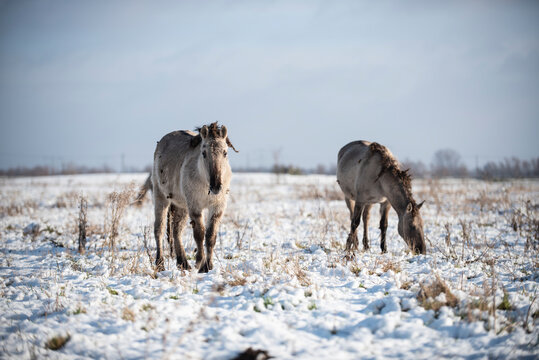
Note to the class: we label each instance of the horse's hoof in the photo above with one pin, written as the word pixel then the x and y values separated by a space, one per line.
pixel 205 267
pixel 349 256
pixel 350 248
pixel 159 266
pixel 183 265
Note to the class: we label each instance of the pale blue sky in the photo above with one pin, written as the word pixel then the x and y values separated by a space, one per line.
pixel 87 81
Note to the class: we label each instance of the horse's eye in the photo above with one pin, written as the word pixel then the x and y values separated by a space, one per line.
pixel 224 153
pixel 204 154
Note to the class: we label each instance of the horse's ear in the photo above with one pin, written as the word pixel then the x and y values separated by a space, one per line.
pixel 224 131
pixel 409 207
pixel 420 204
pixel 204 132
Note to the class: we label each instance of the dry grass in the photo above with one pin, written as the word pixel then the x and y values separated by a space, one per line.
pixel 300 274
pixel 83 223
pixel 316 192
pixel 384 264
pixel 236 279
pixel 432 191
pixel 240 226
pixel 524 220
pixel 117 201
pixel 128 314
pixel 57 342
pixel 391 264
pixel 406 285
pixel 485 201
pixel 355 269
pixel 429 295
pixel 16 207
pixel 69 199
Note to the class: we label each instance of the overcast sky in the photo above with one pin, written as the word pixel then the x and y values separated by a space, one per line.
pixel 87 81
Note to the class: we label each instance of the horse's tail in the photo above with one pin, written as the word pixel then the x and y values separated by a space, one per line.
pixel 143 190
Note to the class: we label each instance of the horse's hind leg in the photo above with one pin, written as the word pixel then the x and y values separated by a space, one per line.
pixel 384 211
pixel 179 221
pixel 366 215
pixel 160 209
pixel 170 228
pixel 211 235
pixel 352 242
pixel 350 204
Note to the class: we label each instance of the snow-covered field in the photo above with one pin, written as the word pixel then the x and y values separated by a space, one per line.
pixel 280 281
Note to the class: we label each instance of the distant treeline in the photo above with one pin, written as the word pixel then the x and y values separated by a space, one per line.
pixel 448 163
pixel 69 169
pixel 445 163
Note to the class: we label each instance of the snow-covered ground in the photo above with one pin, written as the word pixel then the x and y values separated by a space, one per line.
pixel 280 281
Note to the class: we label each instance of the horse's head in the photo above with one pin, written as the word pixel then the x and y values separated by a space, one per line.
pixel 411 228
pixel 213 149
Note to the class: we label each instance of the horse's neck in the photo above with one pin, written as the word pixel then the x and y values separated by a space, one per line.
pixel 398 198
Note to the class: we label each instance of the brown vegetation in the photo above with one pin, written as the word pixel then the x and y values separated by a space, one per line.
pixel 429 295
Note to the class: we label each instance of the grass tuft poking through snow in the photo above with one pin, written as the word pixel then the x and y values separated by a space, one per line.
pixel 57 342
pixel 436 294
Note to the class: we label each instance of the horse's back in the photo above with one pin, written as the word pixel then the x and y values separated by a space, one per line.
pixel 353 149
pixel 170 153
pixel 348 164
pixel 173 147
pixel 174 141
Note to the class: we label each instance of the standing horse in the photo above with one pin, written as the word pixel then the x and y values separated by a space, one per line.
pixel 190 173
pixel 368 174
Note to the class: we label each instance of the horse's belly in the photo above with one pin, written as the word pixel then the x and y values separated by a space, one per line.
pixel 376 199
pixel 369 197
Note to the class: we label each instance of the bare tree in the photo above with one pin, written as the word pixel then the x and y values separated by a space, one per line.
pixel 447 162
pixel 417 168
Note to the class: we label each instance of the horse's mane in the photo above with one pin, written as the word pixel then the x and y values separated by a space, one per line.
pixel 214 131
pixel 391 165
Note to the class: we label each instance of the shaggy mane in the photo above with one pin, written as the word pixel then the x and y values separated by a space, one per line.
pixel 391 165
pixel 214 131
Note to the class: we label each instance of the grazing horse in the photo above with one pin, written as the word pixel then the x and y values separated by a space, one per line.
pixel 190 173
pixel 368 174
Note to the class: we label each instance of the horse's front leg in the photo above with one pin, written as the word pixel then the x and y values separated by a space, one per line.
pixel 211 236
pixel 198 233
pixel 366 215
pixel 352 242
pixel 179 221
pixel 384 211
